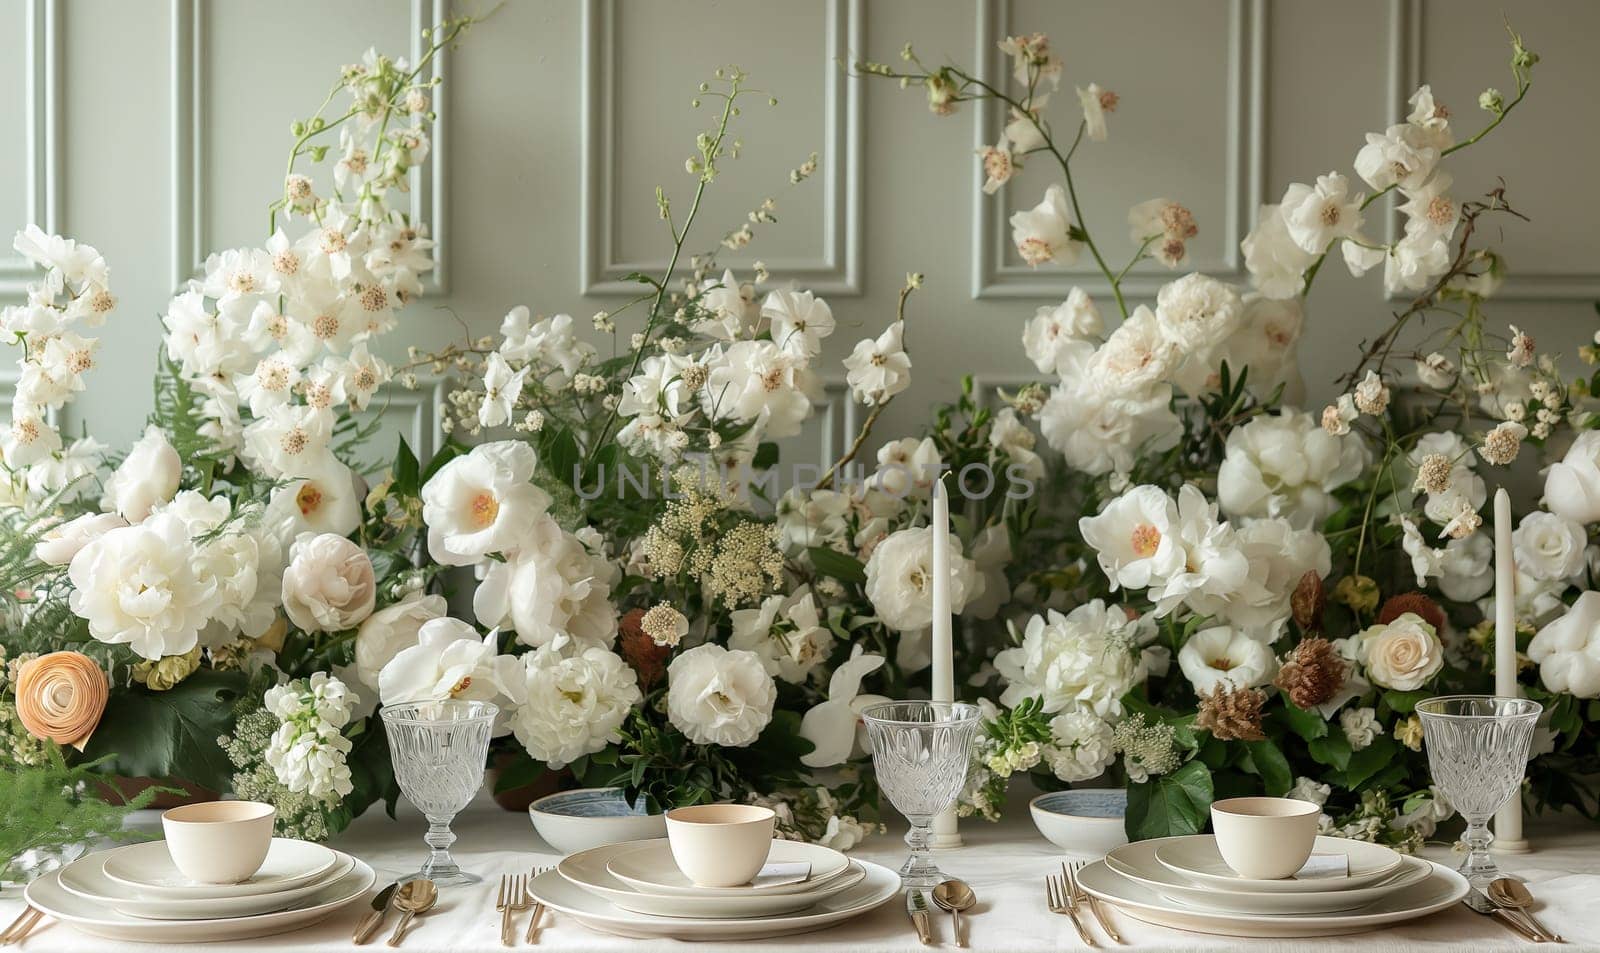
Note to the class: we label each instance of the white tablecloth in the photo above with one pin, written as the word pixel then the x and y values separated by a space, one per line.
pixel 1005 864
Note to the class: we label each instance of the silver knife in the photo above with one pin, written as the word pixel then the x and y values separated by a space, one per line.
pixel 380 908
pixel 1480 904
pixel 917 908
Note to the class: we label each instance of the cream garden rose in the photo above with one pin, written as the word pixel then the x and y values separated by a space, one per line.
pixel 900 579
pixel 718 696
pixel 1403 654
pixel 329 585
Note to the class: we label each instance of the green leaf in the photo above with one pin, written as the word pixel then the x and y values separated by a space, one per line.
pixel 1172 804
pixel 1404 703
pixel 1309 725
pixel 452 448
pixel 838 565
pixel 1333 750
pixel 171 734
pixel 1368 761
pixel 766 456
pixel 559 451
pixel 522 770
pixel 1269 763
pixel 407 471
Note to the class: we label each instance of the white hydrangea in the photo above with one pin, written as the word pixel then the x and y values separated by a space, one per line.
pixel 568 701
pixel 1080 746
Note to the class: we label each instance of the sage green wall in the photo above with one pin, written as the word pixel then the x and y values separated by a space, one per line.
pixel 156 130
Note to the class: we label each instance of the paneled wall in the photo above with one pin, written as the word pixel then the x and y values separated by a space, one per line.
pixel 157 130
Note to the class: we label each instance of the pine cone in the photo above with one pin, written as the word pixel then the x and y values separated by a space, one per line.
pixel 1307 601
pixel 1232 714
pixel 1416 602
pixel 647 659
pixel 1312 673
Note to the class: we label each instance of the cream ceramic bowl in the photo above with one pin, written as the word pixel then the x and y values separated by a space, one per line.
pixel 1085 821
pixel 1265 838
pixel 572 821
pixel 219 842
pixel 720 845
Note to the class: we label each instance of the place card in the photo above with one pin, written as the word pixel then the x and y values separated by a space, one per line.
pixel 1324 866
pixel 776 875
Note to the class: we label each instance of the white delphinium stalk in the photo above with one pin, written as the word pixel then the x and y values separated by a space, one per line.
pixel 308 751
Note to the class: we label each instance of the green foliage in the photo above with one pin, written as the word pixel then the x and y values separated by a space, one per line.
pixel 52 805
pixel 170 734
pixel 1171 804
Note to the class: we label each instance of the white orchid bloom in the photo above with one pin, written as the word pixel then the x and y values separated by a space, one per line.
pixel 831 725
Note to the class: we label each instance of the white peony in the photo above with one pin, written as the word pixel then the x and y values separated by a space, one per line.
pixel 1548 547
pixel 1044 232
pixel 449 660
pixel 900 579
pixel 1225 657
pixel 785 632
pixel 564 704
pixel 243 566
pixel 1197 314
pixel 1100 432
pixel 553 586
pixel 1176 550
pixel 391 630
pixel 1277 265
pixel 1466 568
pixel 1265 342
pixel 1085 660
pixel 1060 334
pixel 328 585
pixel 482 503
pixel 148 476
pixel 1403 654
pixel 61 542
pixel 1286 465
pixel 1572 486
pixel 1278 556
pixel 1080 746
pixel 719 696
pixel 137 586
pixel 1137 356
pixel 1567 650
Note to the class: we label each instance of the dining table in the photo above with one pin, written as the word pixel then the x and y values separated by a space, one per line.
pixel 1004 862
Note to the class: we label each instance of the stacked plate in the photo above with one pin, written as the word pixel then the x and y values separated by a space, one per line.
pixel 1183 882
pixel 635 889
pixel 136 893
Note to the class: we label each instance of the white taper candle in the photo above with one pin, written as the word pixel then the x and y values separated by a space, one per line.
pixel 1508 821
pixel 944 829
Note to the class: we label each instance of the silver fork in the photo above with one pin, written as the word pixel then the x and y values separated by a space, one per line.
pixel 1089 901
pixel 1060 900
pixel 513 897
pixel 532 935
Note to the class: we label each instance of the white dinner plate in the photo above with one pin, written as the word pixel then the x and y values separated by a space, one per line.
pixel 563 896
pixel 95 919
pixel 149 867
pixel 587 869
pixel 648 867
pixel 1138 862
pixel 1441 889
pixel 86 878
pixel 1196 856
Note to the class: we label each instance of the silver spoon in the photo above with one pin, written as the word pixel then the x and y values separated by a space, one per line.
pixel 414 897
pixel 955 896
pixel 1508 892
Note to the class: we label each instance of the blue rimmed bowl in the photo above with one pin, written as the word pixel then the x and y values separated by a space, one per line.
pixel 1082 820
pixel 571 821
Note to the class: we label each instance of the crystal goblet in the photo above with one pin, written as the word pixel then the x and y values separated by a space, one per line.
pixel 439 750
pixel 920 751
pixel 1478 751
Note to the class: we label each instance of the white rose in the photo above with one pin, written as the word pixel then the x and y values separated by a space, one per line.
pixel 482 503
pixel 721 697
pixel 1567 650
pixel 1197 313
pixel 63 541
pixel 566 706
pixel 1572 487
pixel 1222 656
pixel 1286 465
pixel 1085 660
pixel 329 584
pixel 388 632
pixel 137 586
pixel 1403 654
pixel 450 660
pixel 1549 547
pixel 149 475
pixel 900 579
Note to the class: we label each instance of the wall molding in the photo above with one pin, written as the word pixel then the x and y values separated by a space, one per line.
pixel 994 277
pixel 836 271
pixel 41 91
pixel 426 405
pixel 191 242
pixel 1406 66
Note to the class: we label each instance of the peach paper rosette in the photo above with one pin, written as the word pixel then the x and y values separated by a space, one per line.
pixel 61 696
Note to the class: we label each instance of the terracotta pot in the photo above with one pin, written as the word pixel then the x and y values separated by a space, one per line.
pixel 517 799
pixel 119 790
